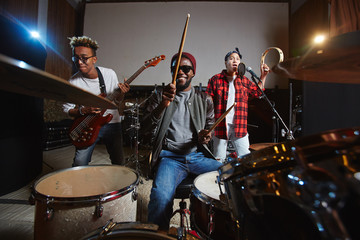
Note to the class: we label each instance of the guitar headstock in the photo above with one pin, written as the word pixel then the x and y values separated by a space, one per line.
pixel 154 61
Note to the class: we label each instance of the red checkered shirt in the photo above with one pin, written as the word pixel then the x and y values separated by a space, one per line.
pixel 218 88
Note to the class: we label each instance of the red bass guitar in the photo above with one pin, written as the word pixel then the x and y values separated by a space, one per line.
pixel 85 129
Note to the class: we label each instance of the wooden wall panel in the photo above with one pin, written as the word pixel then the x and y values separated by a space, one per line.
pixel 310 19
pixel 26 11
pixel 325 106
pixel 62 23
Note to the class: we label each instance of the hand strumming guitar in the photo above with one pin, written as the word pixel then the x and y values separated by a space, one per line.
pixel 85 110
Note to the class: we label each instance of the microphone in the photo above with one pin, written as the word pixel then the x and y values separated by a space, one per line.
pixel 254 76
pixel 252 73
pixel 241 70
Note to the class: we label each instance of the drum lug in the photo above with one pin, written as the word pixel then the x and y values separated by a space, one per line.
pixel 31 199
pixel 211 223
pixel 99 210
pixel 134 195
pixel 32 195
pixel 49 214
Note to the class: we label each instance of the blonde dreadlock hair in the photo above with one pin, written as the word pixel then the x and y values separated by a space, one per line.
pixel 83 41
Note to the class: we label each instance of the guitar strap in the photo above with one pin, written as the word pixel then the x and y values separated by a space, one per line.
pixel 101 82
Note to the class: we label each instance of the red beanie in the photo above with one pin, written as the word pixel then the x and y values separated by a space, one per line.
pixel 184 54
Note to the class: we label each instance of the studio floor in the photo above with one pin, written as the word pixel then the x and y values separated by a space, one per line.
pixel 17 215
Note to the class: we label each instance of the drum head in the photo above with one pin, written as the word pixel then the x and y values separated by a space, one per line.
pixel 207 184
pixel 131 230
pixel 210 216
pixel 86 181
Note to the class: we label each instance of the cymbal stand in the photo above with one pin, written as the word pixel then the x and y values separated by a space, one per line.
pixel 289 134
pixel 134 158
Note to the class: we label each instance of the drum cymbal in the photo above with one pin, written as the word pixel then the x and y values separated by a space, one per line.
pixel 259 146
pixel 20 77
pixel 336 61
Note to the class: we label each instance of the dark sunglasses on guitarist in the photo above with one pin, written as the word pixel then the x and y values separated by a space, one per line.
pixel 186 69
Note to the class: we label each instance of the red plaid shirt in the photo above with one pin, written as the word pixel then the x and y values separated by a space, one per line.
pixel 218 88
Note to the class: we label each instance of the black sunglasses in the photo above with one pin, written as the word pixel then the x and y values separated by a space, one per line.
pixel 183 68
pixel 82 59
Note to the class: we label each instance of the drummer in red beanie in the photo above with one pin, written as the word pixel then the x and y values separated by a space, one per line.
pixel 185 69
pixel 177 118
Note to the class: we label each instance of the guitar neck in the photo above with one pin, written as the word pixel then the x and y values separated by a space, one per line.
pixel 117 91
pixel 137 73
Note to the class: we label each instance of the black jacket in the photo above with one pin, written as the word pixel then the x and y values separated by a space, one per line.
pixel 202 116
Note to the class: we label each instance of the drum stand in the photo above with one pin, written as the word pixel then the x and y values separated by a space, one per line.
pixel 134 158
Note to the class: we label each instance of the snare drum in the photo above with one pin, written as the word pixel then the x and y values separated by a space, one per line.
pixel 302 189
pixel 72 202
pixel 210 217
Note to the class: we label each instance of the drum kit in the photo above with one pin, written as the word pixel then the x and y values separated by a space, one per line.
pixel 307 188
pixel 70 203
pixel 302 189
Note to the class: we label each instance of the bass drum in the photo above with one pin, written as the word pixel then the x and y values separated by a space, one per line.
pixel 72 202
pixel 302 189
pixel 127 231
pixel 210 217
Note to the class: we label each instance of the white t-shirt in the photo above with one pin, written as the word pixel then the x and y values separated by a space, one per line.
pixel 92 85
pixel 230 101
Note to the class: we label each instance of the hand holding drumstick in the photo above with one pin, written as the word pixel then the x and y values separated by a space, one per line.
pixel 168 95
pixel 205 135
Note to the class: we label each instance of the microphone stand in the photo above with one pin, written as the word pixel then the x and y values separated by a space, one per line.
pixel 289 134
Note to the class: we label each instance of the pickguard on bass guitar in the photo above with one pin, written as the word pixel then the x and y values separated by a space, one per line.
pixel 85 129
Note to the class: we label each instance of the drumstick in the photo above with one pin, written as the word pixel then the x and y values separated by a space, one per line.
pixel 180 50
pixel 221 118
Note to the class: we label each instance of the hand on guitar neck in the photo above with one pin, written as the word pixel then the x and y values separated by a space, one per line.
pixel 121 91
pixel 119 100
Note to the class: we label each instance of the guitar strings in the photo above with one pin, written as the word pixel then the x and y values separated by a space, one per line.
pixel 75 133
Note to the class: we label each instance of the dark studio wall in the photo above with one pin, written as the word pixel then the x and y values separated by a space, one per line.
pixel 326 105
pixel 21 136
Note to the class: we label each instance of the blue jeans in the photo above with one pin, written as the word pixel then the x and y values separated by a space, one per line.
pixel 241 146
pixel 172 170
pixel 111 134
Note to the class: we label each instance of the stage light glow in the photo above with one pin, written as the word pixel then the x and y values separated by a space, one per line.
pixel 35 34
pixel 319 39
pixel 22 64
pixel 357 176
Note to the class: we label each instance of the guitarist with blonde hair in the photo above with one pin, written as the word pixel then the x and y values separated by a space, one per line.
pixel 97 80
